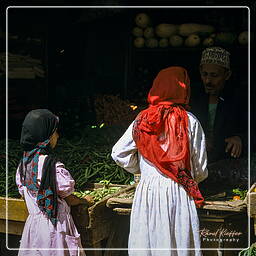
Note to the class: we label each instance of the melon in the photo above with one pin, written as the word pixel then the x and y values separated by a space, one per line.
pixel 192 40
pixel 142 20
pixel 137 31
pixel 243 38
pixel 151 43
pixel 194 28
pixel 165 30
pixel 176 41
pixel 209 41
pixel 163 42
pixel 149 32
pixel 139 42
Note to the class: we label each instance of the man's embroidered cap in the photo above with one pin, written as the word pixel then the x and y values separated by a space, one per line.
pixel 216 55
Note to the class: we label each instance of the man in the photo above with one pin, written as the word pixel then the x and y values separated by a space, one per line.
pixel 220 107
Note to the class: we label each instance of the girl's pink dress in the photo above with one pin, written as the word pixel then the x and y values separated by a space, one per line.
pixel 39 236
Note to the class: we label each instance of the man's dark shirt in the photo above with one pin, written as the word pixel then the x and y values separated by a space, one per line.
pixel 231 118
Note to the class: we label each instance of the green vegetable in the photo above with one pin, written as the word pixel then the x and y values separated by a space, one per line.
pixel 98 193
pixel 241 193
pixel 87 155
pixel 251 251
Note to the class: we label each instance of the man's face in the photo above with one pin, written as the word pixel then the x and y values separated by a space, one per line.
pixel 213 77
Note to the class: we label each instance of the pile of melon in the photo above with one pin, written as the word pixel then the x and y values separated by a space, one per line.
pixel 182 35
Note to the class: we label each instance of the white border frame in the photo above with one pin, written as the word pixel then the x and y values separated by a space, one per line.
pixel 129 7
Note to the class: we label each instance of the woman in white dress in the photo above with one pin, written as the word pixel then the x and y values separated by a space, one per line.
pixel 166 144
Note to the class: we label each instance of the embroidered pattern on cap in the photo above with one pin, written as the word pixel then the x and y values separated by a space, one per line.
pixel 216 55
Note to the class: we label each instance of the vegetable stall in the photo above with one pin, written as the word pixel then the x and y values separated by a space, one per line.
pixel 86 150
pixel 105 222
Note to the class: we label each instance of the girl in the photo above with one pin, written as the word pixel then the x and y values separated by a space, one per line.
pixel 167 145
pixel 46 186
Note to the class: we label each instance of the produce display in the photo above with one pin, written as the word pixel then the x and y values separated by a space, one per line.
pixel 14 157
pixel 98 193
pixel 240 194
pixel 177 35
pixel 87 155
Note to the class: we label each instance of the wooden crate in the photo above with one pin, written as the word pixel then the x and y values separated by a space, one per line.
pixel 16 215
pixel 251 204
pixel 96 223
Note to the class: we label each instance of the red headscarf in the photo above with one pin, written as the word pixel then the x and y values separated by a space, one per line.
pixel 161 130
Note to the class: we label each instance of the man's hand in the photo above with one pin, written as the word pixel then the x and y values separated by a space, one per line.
pixel 234 145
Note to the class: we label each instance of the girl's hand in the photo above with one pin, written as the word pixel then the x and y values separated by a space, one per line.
pixel 73 200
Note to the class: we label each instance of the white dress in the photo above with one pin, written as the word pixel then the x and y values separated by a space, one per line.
pixel 163 216
pixel 39 234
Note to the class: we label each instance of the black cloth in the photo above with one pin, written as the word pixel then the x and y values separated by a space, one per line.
pixel 231 118
pixel 38 126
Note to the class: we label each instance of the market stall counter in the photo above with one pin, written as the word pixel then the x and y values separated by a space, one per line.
pixel 223 223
